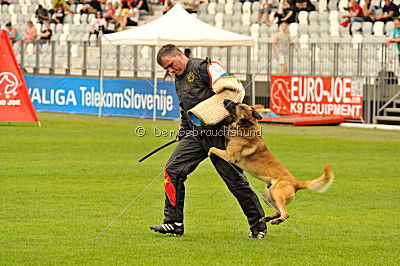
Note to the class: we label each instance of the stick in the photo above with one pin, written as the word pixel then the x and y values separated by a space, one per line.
pixel 159 148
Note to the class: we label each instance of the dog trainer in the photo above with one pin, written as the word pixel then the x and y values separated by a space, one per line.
pixel 193 84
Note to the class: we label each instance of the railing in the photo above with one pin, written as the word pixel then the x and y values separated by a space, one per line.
pixel 375 63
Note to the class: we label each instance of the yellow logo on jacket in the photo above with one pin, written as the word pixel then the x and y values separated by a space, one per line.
pixel 190 77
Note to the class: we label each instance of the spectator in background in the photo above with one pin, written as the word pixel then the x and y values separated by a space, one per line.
pixel 91 8
pixel 130 19
pixel 192 6
pixel 187 52
pixel 389 12
pixel 266 7
pixel 368 11
pixel 281 39
pixel 109 15
pixel 97 24
pixel 124 9
pixel 356 14
pixel 30 33
pixel 287 13
pixel 304 5
pixel 167 6
pixel 41 14
pixel 58 16
pixel 13 33
pixel 143 7
pixel 396 35
pixel 46 34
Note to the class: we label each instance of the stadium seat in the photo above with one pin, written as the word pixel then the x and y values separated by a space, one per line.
pixel 246 7
pixel 389 27
pixel 333 5
pixel 202 16
pixel 77 19
pixel 211 8
pixel 313 17
pixel 24 10
pixel 219 20
pixel 255 30
pixel 293 29
pixel 342 5
pixel 356 27
pixel 66 29
pixel 202 8
pixel 11 9
pixel 323 17
pixel 221 2
pixel 255 6
pixel 245 30
pixel 333 17
pixel 246 19
pixel 334 29
pixel 378 28
pixel 228 8
pixel 237 8
pixel 303 17
pixel 322 5
pixel 367 28
pixel 84 18
pixel 253 18
pixel 220 8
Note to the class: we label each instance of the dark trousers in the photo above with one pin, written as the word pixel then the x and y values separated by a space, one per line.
pixel 191 150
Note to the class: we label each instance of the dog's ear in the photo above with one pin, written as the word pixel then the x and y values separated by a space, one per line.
pixel 256 115
pixel 230 106
pixel 245 122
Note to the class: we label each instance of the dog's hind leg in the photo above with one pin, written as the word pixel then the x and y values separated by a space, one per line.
pixel 280 193
pixel 270 202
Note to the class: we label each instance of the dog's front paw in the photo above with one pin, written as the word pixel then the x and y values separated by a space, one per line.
pixel 211 151
pixel 276 221
pixel 265 219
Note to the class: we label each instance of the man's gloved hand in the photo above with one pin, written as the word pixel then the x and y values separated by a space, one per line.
pixel 181 134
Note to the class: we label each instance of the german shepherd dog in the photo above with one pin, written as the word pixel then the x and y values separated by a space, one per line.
pixel 245 148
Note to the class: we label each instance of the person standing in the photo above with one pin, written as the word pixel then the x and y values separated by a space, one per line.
pixel 396 35
pixel 281 39
pixel 193 84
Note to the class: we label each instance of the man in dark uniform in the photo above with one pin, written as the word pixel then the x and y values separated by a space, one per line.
pixel 193 84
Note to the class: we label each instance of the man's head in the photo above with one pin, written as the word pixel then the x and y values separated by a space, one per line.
pixel 387 2
pixel 187 52
pixel 47 25
pixel 172 59
pixel 8 26
pixel 40 7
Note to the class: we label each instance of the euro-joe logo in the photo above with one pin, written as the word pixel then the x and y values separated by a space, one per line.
pixel 8 90
pixel 316 96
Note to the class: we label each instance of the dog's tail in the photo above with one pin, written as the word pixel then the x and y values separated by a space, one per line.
pixel 319 184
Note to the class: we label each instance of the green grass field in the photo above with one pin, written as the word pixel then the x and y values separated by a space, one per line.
pixel 61 184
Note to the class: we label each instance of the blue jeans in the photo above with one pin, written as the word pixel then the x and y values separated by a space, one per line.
pixel 356 19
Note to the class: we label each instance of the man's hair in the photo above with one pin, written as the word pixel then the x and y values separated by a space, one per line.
pixel 8 24
pixel 167 50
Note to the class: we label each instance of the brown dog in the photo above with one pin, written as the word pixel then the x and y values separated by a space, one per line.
pixel 246 149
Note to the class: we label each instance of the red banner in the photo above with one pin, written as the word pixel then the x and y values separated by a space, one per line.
pixel 15 104
pixel 316 96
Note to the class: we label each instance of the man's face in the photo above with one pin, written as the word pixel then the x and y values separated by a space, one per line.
pixel 387 2
pixel 174 64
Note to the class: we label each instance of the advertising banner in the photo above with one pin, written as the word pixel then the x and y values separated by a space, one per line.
pixel 316 96
pixel 15 105
pixel 121 97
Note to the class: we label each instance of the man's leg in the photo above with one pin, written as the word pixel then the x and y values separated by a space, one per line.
pixel 184 160
pixel 239 186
